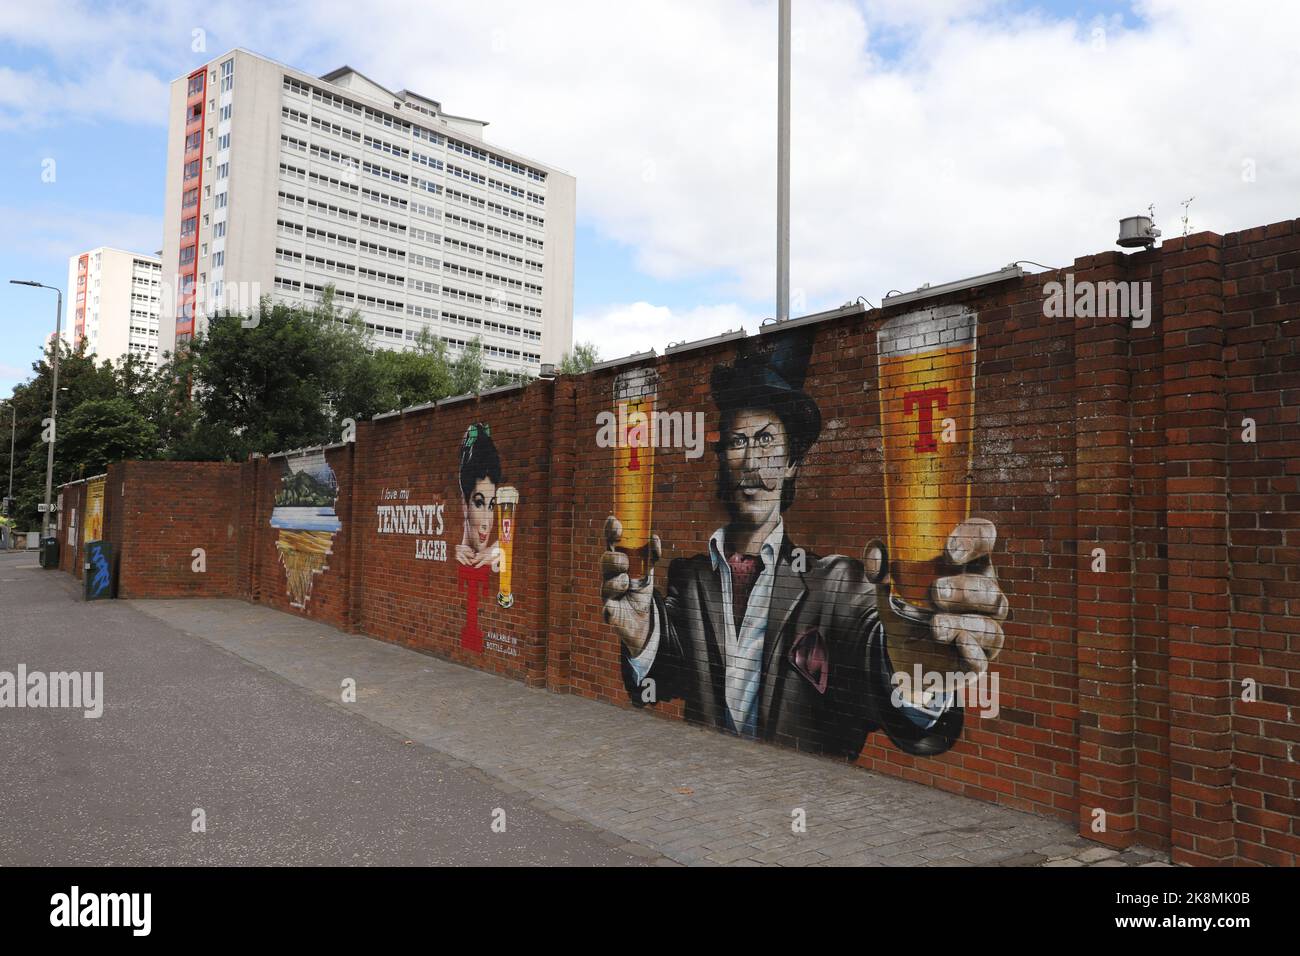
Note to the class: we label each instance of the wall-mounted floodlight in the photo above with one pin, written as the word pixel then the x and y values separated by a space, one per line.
pixel 928 291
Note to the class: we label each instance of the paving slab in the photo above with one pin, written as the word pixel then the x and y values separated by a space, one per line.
pixel 646 778
pixel 281 775
pixel 668 788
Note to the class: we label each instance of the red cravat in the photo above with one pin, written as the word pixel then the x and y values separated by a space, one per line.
pixel 744 570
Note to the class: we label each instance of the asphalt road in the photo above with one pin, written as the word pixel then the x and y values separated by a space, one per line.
pixel 282 776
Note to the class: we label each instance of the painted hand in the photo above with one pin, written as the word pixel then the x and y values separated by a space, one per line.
pixel 970 605
pixel 476 559
pixel 626 609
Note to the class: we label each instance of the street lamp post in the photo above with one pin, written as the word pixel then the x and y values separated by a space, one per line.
pixel 13 432
pixel 783 162
pixel 9 500
pixel 54 399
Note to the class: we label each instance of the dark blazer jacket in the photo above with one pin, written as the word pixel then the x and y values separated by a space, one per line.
pixel 824 614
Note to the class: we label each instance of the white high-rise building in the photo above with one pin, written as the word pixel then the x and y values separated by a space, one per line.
pixel 114 303
pixel 280 183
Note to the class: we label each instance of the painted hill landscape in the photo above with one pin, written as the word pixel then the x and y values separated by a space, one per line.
pixel 302 490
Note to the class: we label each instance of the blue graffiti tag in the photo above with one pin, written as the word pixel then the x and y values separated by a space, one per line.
pixel 100 560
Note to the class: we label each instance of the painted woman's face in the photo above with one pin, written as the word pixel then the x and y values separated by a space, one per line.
pixel 479 514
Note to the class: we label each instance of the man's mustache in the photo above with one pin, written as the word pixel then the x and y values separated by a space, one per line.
pixel 755 481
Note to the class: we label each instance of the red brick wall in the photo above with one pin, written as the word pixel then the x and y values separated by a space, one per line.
pixel 72 514
pixel 330 593
pixel 165 511
pixel 1023 479
pixel 1261 359
pixel 413 460
pixel 1122 701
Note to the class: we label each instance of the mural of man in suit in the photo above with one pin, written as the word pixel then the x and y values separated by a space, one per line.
pixel 767 641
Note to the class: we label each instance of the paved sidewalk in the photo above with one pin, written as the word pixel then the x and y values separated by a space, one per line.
pixel 671 790
pixel 281 775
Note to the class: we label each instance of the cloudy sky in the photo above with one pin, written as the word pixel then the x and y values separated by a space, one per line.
pixel 932 140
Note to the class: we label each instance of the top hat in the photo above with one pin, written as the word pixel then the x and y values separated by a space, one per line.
pixel 771 376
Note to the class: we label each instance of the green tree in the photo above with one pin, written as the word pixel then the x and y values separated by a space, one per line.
pixel 467 370
pixel 414 377
pixel 579 359
pixel 101 431
pixel 501 377
pixel 275 383
pixel 81 379
pixel 283 377
pixel 168 403
pixel 291 378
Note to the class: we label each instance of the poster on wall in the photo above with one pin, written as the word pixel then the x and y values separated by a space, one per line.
pixel 93 529
pixel 306 521
pixel 760 637
pixel 489 527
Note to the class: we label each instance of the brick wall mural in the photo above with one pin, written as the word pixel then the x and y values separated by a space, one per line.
pixel 489 513
pixel 306 522
pixel 761 637
pixel 1035 543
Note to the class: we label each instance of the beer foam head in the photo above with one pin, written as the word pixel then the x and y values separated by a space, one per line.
pixel 635 383
pixel 507 495
pixel 944 326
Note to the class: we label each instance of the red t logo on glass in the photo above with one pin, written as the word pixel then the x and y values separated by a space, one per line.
pixel 925 402
pixel 633 463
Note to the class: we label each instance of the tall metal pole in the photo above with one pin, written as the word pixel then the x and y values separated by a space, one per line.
pixel 13 432
pixel 783 165
pixel 54 413
pixel 54 398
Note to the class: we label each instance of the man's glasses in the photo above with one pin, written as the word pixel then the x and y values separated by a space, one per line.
pixel 739 441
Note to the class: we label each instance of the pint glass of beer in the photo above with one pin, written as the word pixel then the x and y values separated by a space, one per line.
pixel 927 417
pixel 634 467
pixel 507 515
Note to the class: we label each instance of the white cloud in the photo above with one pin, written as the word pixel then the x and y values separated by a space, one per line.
pixel 30 98
pixel 114 62
pixel 985 137
pixel 55 232
pixel 992 139
pixel 97 62
pixel 620 330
